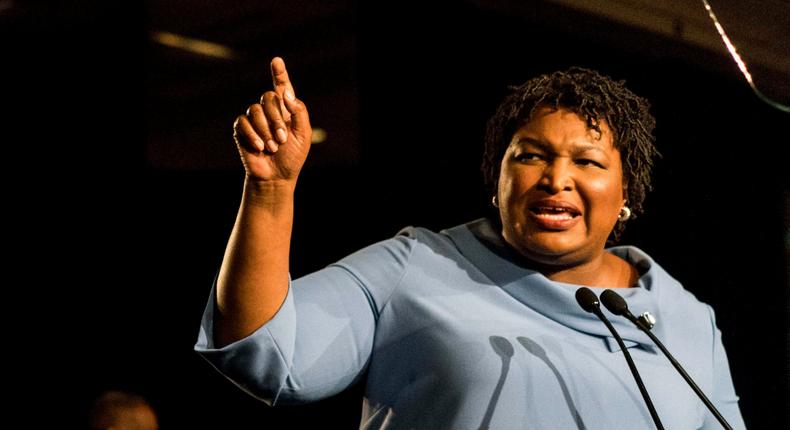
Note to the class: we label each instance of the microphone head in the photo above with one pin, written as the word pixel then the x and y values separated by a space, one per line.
pixel 614 302
pixel 587 300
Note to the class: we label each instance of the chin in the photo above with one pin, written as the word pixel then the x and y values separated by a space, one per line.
pixel 553 247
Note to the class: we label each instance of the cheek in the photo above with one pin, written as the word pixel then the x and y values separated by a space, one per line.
pixel 512 187
pixel 605 195
pixel 514 182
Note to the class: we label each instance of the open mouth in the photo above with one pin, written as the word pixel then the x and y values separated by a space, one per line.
pixel 554 214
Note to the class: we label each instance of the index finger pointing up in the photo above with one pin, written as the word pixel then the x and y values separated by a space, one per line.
pixel 280 78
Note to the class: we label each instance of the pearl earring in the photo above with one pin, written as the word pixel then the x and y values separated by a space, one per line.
pixel 625 214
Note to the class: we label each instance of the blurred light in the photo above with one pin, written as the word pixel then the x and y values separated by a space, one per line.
pixel 739 61
pixel 319 135
pixel 196 46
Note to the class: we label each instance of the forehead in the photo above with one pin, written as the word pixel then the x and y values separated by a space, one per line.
pixel 562 126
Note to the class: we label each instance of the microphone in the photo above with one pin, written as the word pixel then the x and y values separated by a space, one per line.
pixel 618 306
pixel 589 302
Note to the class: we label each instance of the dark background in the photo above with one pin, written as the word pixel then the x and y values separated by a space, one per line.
pixel 125 179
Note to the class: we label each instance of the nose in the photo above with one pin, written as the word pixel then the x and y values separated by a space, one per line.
pixel 556 177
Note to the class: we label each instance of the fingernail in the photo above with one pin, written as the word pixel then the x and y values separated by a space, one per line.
pixel 282 136
pixel 289 95
pixel 273 146
pixel 259 145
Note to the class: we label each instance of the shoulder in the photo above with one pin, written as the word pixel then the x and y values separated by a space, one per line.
pixel 421 236
pixel 677 308
pixel 409 243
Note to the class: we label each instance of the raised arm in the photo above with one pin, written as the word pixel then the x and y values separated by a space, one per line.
pixel 273 139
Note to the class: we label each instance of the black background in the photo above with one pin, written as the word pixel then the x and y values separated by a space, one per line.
pixel 115 246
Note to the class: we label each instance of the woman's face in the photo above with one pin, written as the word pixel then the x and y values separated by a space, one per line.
pixel 560 189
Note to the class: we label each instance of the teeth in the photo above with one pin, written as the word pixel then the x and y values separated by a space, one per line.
pixel 553 213
pixel 560 216
pixel 552 210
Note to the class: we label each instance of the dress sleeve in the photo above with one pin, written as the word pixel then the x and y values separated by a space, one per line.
pixel 723 396
pixel 321 338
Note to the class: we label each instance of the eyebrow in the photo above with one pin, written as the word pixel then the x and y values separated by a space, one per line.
pixel 547 147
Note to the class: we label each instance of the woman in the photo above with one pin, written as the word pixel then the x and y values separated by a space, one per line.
pixel 121 410
pixel 475 326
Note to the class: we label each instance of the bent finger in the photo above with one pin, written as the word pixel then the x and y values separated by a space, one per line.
pixel 261 126
pixel 245 135
pixel 274 116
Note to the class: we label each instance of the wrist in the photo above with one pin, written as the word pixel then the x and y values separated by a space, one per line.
pixel 269 194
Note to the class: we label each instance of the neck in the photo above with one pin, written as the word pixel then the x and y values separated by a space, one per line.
pixel 603 270
pixel 586 273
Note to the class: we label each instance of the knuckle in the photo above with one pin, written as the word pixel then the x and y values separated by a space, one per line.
pixel 299 106
pixel 264 132
pixel 254 109
pixel 268 96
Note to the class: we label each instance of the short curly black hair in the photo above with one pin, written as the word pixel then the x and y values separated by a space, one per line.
pixel 594 97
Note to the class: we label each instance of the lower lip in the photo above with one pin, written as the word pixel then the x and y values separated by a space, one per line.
pixel 554 224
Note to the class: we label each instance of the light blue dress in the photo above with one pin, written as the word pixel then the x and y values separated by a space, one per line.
pixel 448 334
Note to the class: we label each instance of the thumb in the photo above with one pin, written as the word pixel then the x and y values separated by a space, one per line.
pixel 300 120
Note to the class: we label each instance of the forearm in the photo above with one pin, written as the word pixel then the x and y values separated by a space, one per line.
pixel 253 278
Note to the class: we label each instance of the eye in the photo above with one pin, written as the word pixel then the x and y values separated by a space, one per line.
pixel 589 162
pixel 528 156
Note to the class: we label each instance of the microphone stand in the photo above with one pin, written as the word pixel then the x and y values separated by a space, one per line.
pixel 589 302
pixel 612 301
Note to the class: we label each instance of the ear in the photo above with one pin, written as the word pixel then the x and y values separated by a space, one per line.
pixel 625 191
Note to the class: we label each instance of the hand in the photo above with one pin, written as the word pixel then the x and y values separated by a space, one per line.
pixel 273 137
